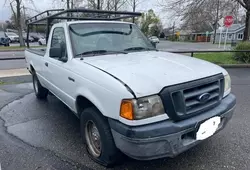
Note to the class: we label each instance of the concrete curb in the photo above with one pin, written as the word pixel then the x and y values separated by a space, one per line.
pixel 235 65
pixel 12 50
pixel 14 72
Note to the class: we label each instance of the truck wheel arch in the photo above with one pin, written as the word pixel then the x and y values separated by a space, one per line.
pixel 32 69
pixel 83 103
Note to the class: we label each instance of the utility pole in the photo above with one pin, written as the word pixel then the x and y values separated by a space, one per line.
pixel 115 5
pixel 216 20
pixel 98 5
pixel 72 4
pixel 134 6
pixel 68 7
pixel 173 32
pixel 24 16
pixel 68 4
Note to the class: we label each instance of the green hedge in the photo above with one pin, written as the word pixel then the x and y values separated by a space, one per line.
pixel 242 56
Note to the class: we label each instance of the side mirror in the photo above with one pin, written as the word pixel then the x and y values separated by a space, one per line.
pixel 63 59
pixel 55 52
pixel 58 52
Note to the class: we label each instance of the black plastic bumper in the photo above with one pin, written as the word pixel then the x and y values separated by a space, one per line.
pixel 167 138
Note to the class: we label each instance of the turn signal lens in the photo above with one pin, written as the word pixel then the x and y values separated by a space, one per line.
pixel 127 109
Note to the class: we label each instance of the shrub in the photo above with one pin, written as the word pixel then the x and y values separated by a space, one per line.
pixel 242 56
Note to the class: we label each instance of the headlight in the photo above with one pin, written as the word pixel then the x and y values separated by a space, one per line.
pixel 142 108
pixel 227 85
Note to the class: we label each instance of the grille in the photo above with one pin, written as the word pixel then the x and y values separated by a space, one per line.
pixel 186 99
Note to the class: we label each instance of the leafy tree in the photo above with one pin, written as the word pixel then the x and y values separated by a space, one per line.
pixel 246 5
pixel 16 10
pixel 201 15
pixel 162 35
pixel 154 30
pixel 113 5
pixel 150 23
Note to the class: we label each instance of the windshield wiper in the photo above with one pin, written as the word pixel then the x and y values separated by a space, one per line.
pixel 140 49
pixel 96 52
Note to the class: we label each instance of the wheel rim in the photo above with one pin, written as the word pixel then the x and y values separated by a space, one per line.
pixel 35 82
pixel 93 140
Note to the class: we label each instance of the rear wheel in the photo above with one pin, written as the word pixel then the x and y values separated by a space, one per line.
pixel 39 42
pixel 97 135
pixel 40 91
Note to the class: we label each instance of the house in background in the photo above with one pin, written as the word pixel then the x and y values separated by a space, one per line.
pixel 235 33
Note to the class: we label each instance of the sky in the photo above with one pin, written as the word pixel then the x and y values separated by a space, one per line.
pixel 41 5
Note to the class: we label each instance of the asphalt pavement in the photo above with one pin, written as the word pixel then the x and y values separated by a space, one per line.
pixel 12 64
pixel 187 46
pixel 39 134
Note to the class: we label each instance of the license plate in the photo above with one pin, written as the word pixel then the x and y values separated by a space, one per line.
pixel 208 128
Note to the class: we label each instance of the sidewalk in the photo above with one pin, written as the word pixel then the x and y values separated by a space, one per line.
pixel 14 72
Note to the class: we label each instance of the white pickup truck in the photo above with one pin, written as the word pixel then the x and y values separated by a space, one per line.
pixel 130 97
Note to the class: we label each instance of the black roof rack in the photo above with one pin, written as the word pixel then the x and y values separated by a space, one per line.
pixel 50 17
pixel 80 14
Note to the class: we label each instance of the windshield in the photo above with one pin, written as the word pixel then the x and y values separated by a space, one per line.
pixel 87 37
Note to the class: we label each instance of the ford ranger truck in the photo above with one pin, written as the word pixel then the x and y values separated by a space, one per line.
pixel 130 97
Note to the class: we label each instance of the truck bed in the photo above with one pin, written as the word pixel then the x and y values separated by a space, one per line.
pixel 38 51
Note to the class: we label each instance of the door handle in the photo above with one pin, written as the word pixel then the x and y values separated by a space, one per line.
pixel 46 64
pixel 71 79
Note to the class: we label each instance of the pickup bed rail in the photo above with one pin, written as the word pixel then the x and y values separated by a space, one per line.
pixel 39 51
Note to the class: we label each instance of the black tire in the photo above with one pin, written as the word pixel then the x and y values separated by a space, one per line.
pixel 40 91
pixel 109 154
pixel 39 42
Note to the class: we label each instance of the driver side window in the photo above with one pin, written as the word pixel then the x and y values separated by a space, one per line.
pixel 59 40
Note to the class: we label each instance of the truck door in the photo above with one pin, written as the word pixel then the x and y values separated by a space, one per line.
pixel 57 70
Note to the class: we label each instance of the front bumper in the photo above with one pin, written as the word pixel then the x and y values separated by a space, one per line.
pixel 167 138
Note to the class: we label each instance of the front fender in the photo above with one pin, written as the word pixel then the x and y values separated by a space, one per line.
pixel 91 97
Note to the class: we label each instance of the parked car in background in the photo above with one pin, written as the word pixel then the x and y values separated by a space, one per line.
pixel 30 39
pixel 4 40
pixel 42 41
pixel 12 36
pixel 36 36
pixel 154 39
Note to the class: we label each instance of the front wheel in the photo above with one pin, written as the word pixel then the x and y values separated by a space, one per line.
pixel 97 135
pixel 40 91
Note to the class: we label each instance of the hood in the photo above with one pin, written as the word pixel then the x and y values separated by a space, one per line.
pixel 147 73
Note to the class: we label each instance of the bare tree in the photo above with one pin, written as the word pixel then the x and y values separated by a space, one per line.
pixel 114 5
pixel 17 18
pixel 200 15
pixel 134 4
pixel 246 5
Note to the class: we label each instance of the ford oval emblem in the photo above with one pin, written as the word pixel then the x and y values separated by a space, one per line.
pixel 204 97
